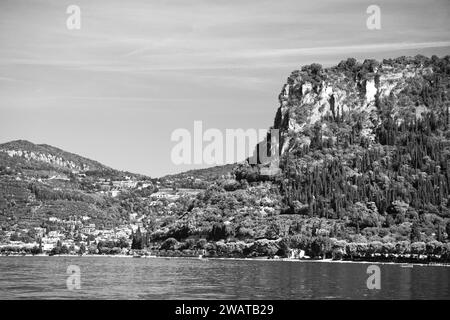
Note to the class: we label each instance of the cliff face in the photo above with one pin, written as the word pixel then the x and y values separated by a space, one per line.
pixel 25 153
pixel 366 133
pixel 314 98
pixel 364 138
pixel 45 158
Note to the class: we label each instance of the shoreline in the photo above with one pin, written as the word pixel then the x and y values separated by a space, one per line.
pixel 401 264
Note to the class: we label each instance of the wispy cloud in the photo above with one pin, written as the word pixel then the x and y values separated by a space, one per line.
pixel 8 79
pixel 334 50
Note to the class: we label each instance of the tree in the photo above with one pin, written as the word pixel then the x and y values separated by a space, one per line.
pixel 418 247
pixel 284 248
pixel 272 231
pixel 137 241
pixel 440 233
pixel 402 247
pixel 93 249
pixel 15 237
pixel 220 231
pixel 415 233
pixel 189 244
pixel 56 249
pixel 64 249
pixel 123 243
pixel 82 249
pixel 169 244
pixel 36 250
pixel 433 247
pixel 447 230
pixel 389 221
pixel 201 243
pixel 321 246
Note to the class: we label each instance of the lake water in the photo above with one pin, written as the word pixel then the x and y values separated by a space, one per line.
pixel 160 278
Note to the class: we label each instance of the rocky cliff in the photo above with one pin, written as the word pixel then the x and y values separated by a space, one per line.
pixel 315 98
pixel 372 133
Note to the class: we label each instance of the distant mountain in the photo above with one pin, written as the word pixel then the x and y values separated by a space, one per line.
pixel 25 153
pixel 37 180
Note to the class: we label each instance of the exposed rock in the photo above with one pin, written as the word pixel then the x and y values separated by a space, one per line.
pixel 305 102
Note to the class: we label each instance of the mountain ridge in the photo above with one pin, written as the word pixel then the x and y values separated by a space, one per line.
pixel 55 157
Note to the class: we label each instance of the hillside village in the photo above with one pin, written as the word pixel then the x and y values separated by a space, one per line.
pixel 77 233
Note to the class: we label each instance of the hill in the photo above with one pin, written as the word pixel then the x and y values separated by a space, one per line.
pixel 364 159
pixel 41 181
pixel 37 156
pixel 198 178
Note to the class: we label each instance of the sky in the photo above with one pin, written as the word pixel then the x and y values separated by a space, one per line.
pixel 116 89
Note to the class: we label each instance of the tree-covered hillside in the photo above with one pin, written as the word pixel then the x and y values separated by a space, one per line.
pixel 364 174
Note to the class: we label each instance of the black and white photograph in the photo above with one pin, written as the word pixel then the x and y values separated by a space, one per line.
pixel 212 152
